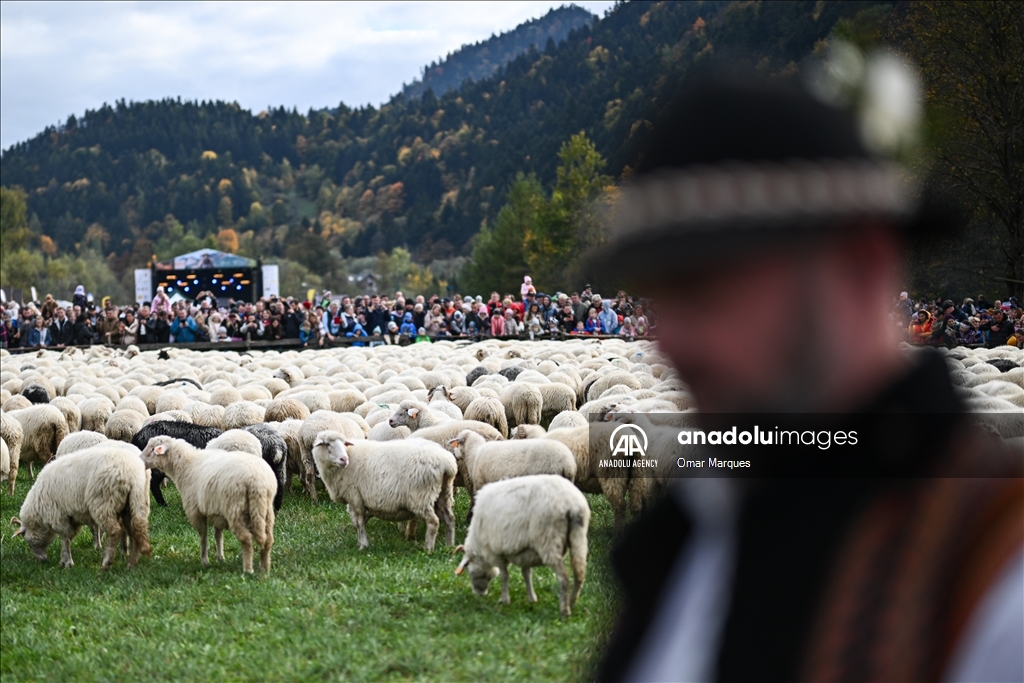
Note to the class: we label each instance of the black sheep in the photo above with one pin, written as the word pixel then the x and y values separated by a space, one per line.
pixel 36 393
pixel 475 374
pixel 1001 364
pixel 179 379
pixel 511 372
pixel 275 454
pixel 194 434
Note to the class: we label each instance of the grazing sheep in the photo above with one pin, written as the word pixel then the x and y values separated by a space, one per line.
pixel 238 441
pixel 415 415
pixel 171 400
pixel 5 460
pixel 274 452
pixel 440 399
pixel 123 425
pixel 313 400
pixel 43 428
pixel 194 434
pixel 243 414
pixel 36 393
pixel 490 411
pixel 475 374
pixel 16 402
pixel 412 479
pixel 523 403
pixel 225 396
pixel 282 409
pixel 103 487
pixel 232 490
pixel 11 434
pixel 148 395
pixel 481 462
pixel 95 413
pixel 442 434
pixel 129 402
pixel 79 441
pixel 529 521
pixel 556 398
pixel 529 432
pixel 570 418
pixel 289 431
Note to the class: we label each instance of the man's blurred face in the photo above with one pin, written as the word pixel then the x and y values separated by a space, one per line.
pixel 740 357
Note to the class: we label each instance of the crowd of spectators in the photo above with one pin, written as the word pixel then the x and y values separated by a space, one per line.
pixel 384 320
pixel 941 322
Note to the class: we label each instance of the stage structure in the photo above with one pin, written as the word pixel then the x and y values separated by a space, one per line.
pixel 227 276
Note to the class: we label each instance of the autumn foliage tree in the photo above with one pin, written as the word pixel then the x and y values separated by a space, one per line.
pixel 971 56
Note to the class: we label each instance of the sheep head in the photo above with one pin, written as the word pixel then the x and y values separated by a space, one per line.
pixel 442 393
pixel 157 452
pixel 37 541
pixel 403 415
pixel 480 573
pixel 332 447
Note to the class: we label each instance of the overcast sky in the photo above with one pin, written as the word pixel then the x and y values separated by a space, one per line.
pixel 62 58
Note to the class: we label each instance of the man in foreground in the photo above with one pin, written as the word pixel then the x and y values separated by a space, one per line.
pixel 760 194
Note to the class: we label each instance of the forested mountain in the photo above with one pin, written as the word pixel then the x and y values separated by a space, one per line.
pixel 483 59
pixel 129 181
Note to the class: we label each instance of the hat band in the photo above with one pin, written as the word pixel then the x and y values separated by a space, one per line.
pixel 704 197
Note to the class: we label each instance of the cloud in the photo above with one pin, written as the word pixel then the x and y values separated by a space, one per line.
pixel 62 58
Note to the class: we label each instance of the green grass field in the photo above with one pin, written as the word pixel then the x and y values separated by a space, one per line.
pixel 325 612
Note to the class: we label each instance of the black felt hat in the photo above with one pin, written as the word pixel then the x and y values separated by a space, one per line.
pixel 737 165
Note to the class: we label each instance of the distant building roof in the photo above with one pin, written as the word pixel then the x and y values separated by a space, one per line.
pixel 207 258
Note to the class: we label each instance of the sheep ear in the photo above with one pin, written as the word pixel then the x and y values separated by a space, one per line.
pixel 348 443
pixel 160 449
pixel 459 549
pixel 453 443
pixel 413 412
pixel 462 565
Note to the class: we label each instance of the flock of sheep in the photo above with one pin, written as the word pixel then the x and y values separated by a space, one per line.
pixel 388 431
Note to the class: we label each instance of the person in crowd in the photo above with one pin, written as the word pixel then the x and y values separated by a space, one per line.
pixel 642 326
pixel 498 323
pixel 579 330
pixel 61 330
pixel 184 328
pixel 293 320
pixel 921 327
pixel 273 331
pixel 628 329
pixel 358 332
pixel 251 328
pixel 39 335
pixel 107 327
pixel 84 332
pixel 609 320
pixel 968 333
pixel 968 307
pixel 6 331
pixel 999 329
pixel 25 325
pixel 331 324
pixel 158 328
pixel 79 298
pixel 593 324
pixel 307 333
pixel 131 328
pixel 161 302
pixel 512 326
pixel 49 308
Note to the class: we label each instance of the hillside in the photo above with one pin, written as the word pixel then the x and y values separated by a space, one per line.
pixel 130 180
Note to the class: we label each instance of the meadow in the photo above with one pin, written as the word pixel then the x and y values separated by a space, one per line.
pixel 325 612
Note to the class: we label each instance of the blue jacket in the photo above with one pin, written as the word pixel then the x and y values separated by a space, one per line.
pixel 184 333
pixel 407 326
pixel 609 319
pixel 356 327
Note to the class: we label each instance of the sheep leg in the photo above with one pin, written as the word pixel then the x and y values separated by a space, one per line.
pixel 265 547
pixel 443 508
pixel 65 552
pixel 218 537
pixel 31 472
pixel 359 522
pixel 97 538
pixel 432 526
pixel 200 526
pixel 11 476
pixel 528 579
pixel 113 541
pixel 244 537
pixel 503 571
pixel 563 586
pixel 410 529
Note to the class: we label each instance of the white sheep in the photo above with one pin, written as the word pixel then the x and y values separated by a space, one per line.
pixel 43 428
pixel 528 432
pixel 570 418
pixel 231 490
pixel 242 414
pixel 122 425
pixel 556 398
pixel 382 431
pixel 482 462
pixel 237 440
pixel 321 420
pixel 411 479
pixel 5 460
pixel 282 409
pixel 95 413
pixel 490 411
pixel 11 434
pixel 523 403
pixel 529 521
pixel 106 488
pixel 79 441
pixel 416 415
pixel 71 412
pixel 440 399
